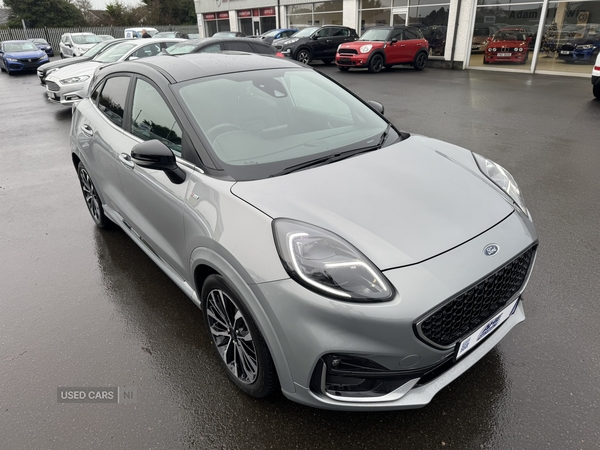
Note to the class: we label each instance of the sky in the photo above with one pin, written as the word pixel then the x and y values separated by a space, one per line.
pixel 101 4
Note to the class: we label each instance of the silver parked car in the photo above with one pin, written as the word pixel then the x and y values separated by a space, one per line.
pixel 350 264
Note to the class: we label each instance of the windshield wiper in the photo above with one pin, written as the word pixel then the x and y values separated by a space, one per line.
pixel 335 157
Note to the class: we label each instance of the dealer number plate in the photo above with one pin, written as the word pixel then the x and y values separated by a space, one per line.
pixel 482 332
pixel 503 55
pixel 565 52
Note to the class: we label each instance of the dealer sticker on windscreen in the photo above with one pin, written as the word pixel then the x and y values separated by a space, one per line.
pixel 482 332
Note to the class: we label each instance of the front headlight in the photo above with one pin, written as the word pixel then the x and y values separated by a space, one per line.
pixel 325 263
pixel 75 79
pixel 366 48
pixel 503 179
pixel 12 59
pixel 43 57
pixel 585 47
pixel 290 41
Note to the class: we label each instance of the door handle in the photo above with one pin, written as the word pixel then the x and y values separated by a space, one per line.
pixel 126 160
pixel 87 130
pixel 402 45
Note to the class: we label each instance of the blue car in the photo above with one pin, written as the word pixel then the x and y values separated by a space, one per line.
pixel 43 44
pixel 18 56
pixel 279 33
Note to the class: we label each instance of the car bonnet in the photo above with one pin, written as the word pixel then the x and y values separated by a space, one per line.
pixel 399 205
pixel 75 70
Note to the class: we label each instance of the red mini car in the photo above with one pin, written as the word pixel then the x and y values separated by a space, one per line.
pixel 510 44
pixel 381 47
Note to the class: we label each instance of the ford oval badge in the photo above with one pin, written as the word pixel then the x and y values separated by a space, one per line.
pixel 491 250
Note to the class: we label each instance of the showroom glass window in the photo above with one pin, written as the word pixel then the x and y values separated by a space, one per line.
pixel 315 14
pixel 112 99
pixel 430 16
pixel 151 118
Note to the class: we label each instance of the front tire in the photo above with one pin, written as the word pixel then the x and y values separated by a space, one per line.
pixel 420 60
pixel 241 348
pixel 303 56
pixel 92 199
pixel 375 63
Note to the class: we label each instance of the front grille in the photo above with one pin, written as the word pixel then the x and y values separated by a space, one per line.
pixel 52 86
pixel 469 310
pixel 347 51
pixel 568 47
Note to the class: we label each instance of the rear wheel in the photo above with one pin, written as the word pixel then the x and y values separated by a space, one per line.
pixel 241 348
pixel 303 56
pixel 375 63
pixel 596 90
pixel 92 200
pixel 420 60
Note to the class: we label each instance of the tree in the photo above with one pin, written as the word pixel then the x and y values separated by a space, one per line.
pixel 44 13
pixel 174 12
pixel 121 14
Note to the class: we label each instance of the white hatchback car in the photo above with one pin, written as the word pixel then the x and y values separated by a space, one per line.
pixel 76 44
pixel 70 84
pixel 596 77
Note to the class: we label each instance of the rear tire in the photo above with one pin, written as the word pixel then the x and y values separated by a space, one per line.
pixel 375 63
pixel 239 345
pixel 420 60
pixel 596 90
pixel 91 197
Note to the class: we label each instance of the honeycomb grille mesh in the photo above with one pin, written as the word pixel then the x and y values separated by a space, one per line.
pixel 466 312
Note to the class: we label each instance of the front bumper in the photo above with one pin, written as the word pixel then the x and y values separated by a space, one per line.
pixel 575 56
pixel 511 57
pixel 385 333
pixel 351 60
pixel 65 94
pixel 20 66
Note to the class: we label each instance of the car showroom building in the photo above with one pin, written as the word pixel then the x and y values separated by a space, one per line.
pixel 555 37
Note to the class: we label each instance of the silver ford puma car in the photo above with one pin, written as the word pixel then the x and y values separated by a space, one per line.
pixel 350 264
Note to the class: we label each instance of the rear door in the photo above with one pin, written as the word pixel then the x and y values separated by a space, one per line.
pixel 338 36
pixel 410 44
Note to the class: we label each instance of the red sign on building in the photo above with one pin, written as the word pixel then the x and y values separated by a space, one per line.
pixel 245 13
pixel 267 11
pixel 223 15
pixel 210 16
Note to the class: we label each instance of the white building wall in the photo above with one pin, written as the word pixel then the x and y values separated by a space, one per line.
pixel 350 17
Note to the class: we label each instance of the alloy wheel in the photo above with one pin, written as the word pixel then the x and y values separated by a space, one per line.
pixel 89 193
pixel 231 336
pixel 303 56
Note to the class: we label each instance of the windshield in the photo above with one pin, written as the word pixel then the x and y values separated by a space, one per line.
pixel 305 32
pixel 39 41
pixel 85 39
pixel 15 47
pixel 270 33
pixel 115 53
pixel 181 49
pixel 375 35
pixel 93 51
pixel 260 123
pixel 509 35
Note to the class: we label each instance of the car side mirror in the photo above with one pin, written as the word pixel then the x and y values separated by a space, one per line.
pixel 376 106
pixel 394 41
pixel 155 155
pixel 314 37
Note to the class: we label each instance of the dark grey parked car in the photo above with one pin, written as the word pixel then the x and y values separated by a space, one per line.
pixel 335 257
pixel 314 43
pixel 213 45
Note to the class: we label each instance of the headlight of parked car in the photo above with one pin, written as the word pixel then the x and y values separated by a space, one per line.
pixel 12 59
pixel 325 263
pixel 366 48
pixel 44 56
pixel 585 47
pixel 75 79
pixel 290 41
pixel 503 179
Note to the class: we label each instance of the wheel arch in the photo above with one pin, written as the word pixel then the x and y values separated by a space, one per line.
pixel 206 261
pixel 377 52
pixel 303 47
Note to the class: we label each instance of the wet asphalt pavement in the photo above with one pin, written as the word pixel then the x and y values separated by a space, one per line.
pixel 85 307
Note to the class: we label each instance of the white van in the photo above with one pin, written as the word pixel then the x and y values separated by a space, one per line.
pixel 137 32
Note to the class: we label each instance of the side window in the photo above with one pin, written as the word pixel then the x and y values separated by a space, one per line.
pixel 263 49
pixel 396 34
pixel 342 32
pixel 151 118
pixel 323 32
pixel 145 51
pixel 211 49
pixel 409 33
pixel 112 99
pixel 238 46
